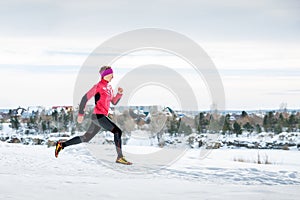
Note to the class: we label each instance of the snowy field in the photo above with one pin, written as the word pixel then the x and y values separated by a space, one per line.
pixel 32 172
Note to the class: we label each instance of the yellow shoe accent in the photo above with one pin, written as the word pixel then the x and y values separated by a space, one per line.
pixel 123 161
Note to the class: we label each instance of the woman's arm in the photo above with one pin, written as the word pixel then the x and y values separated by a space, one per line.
pixel 85 99
pixel 118 96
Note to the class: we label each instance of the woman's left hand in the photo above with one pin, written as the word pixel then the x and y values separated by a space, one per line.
pixel 120 90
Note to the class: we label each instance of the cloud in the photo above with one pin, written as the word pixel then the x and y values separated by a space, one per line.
pixel 262 72
pixel 285 92
pixel 38 69
pixel 254 44
pixel 24 88
pixel 231 19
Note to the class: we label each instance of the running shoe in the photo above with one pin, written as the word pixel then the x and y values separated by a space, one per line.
pixel 58 148
pixel 123 161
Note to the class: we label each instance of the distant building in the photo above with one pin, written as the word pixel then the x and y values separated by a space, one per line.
pixel 67 108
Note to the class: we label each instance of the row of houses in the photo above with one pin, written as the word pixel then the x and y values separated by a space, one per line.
pixel 26 113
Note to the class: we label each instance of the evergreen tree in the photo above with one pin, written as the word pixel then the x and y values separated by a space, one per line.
pixel 272 120
pixel 278 129
pixel 292 122
pixel 244 114
pixel 237 128
pixel 269 121
pixel 201 122
pixel 215 125
pixel 258 128
pixel 55 115
pixel 44 126
pixel 185 129
pixel 173 125
pixel 67 120
pixel 227 125
pixel 248 127
pixel 15 124
pixel 282 121
pixel 266 124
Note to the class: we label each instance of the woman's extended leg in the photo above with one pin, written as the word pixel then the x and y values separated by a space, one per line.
pixel 90 133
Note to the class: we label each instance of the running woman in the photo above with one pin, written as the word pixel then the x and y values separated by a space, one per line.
pixel 103 94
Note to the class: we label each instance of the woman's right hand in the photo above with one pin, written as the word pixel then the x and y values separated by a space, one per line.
pixel 80 119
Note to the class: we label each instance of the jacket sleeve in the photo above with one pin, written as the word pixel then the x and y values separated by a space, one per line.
pixel 116 98
pixel 85 99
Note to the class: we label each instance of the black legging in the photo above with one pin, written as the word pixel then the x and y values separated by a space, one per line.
pixel 98 121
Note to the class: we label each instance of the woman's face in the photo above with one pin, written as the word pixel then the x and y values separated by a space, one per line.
pixel 108 77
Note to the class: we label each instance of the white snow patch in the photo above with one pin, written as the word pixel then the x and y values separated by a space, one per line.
pixel 32 172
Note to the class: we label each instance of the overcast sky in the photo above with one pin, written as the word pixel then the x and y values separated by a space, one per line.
pixel 255 45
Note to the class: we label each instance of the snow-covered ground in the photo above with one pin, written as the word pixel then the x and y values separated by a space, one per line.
pixel 32 172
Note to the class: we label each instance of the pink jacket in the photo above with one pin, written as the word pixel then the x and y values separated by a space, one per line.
pixel 103 94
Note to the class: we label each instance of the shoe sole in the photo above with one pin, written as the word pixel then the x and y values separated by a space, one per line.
pixel 128 163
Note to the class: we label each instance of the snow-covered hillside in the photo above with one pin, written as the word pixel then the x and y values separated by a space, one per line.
pixel 32 172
